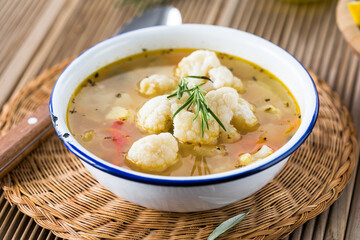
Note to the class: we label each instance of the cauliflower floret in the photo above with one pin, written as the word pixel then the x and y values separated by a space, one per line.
pixel 188 130
pixel 155 115
pixel 197 63
pixel 154 152
pixel 230 135
pixel 223 103
pixel 232 110
pixel 247 158
pixel 244 114
pixel 117 113
pixel 157 84
pixel 176 103
pixel 223 77
pixel 263 152
pixel 238 85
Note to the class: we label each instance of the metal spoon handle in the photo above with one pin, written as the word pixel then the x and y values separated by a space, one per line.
pixel 163 15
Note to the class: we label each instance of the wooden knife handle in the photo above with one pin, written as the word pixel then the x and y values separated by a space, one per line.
pixel 23 138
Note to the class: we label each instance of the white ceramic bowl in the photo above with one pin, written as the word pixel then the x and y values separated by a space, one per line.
pixel 184 194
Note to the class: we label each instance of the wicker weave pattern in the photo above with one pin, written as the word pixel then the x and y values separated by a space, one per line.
pixel 53 187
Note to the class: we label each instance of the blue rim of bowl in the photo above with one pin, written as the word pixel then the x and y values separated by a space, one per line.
pixel 152 179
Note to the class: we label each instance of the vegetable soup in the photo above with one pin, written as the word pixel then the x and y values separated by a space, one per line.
pixel 182 112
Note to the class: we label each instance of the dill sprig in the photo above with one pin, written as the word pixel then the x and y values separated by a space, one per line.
pixel 196 97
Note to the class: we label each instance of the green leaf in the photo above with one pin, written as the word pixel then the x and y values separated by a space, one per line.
pixel 217 119
pixel 227 225
pixel 183 106
pixel 196 97
pixel 199 77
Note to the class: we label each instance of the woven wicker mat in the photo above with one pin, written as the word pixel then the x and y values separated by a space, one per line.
pixel 53 187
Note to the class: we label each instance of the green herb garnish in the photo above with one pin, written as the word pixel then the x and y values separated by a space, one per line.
pixel 196 97
pixel 227 225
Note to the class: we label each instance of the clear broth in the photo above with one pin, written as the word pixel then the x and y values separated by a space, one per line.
pixel 117 85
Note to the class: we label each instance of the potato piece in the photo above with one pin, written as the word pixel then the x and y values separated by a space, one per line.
pixel 198 63
pixel 155 115
pixel 263 152
pixel 154 152
pixel 244 160
pixel 157 84
pixel 247 158
pixel 88 135
pixel 120 113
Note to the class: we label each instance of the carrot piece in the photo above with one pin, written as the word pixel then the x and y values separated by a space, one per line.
pixel 118 136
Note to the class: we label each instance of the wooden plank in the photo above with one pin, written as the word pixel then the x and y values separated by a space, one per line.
pixel 321 41
pixel 342 77
pixel 299 24
pixel 338 215
pixel 212 14
pixel 54 34
pixel 327 53
pixel 296 235
pixel 43 234
pixel 308 229
pixel 342 69
pixel 355 102
pixel 7 221
pixel 250 8
pixel 49 236
pixel 349 89
pixel 9 77
pixel 275 30
pixel 6 9
pixel 21 226
pixel 28 229
pixel 192 11
pixel 267 19
pixel 35 232
pixel 287 31
pixel 310 22
pixel 320 226
pixel 227 13
pixel 15 28
pixel 13 224
pixel 335 61
pixel 353 226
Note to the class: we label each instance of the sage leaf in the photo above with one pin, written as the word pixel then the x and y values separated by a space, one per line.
pixel 223 227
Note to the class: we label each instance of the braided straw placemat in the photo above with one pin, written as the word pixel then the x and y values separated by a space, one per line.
pixel 52 186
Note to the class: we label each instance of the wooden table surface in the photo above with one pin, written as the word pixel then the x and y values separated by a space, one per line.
pixel 36 34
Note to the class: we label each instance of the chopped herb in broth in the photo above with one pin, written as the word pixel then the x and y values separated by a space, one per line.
pixel 107 114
